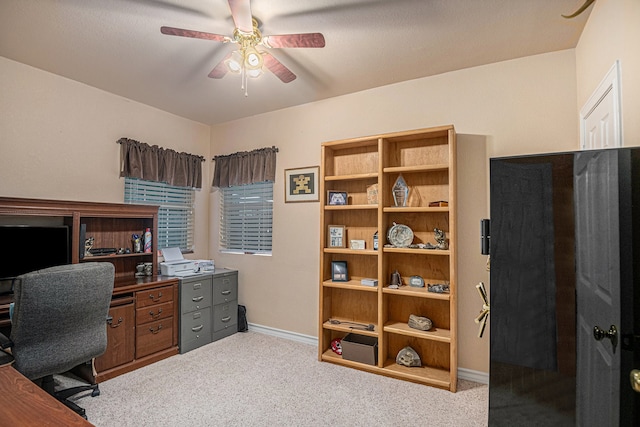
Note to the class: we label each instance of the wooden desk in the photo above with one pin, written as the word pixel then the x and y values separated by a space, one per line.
pixel 22 403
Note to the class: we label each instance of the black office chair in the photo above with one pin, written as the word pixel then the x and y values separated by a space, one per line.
pixel 59 322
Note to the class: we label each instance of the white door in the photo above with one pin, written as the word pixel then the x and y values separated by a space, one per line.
pixel 598 281
pixel 600 119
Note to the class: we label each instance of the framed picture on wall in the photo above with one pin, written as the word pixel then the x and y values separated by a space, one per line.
pixel 301 184
pixel 337 236
pixel 339 271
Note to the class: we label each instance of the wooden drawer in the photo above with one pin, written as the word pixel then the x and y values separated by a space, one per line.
pixel 225 288
pixel 195 294
pixel 154 312
pixel 225 316
pixel 154 296
pixel 153 337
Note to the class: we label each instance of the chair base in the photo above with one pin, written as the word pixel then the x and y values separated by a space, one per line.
pixel 5 358
pixel 64 395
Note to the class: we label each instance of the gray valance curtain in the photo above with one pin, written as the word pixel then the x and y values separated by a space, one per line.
pixel 245 167
pixel 153 163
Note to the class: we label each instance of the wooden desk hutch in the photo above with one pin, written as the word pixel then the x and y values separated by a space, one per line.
pixel 144 311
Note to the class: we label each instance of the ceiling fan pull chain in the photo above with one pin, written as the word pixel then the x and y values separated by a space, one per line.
pixel 245 82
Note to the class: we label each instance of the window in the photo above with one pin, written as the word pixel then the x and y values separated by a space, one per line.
pixel 246 218
pixel 175 210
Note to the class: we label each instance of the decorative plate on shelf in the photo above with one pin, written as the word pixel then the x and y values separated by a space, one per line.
pixel 399 235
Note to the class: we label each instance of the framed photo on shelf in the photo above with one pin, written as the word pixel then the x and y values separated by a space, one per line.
pixel 301 184
pixel 336 198
pixel 357 244
pixel 339 271
pixel 337 236
pixel 372 194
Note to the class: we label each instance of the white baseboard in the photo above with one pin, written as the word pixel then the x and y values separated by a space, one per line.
pixel 463 373
pixel 475 376
pixel 293 336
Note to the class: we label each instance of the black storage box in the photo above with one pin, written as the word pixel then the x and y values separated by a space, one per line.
pixel 360 348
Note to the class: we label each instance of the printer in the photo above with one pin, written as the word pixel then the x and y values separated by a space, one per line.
pixel 175 265
pixel 205 265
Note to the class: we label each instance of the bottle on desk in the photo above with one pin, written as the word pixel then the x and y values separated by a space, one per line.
pixel 147 240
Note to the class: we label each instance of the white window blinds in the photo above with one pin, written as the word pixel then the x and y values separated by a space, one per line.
pixel 175 210
pixel 246 218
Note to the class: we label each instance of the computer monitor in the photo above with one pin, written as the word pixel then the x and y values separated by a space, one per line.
pixel 26 248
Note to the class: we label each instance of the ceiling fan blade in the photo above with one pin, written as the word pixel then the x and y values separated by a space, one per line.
pixel 220 70
pixel 170 31
pixel 294 40
pixel 579 11
pixel 277 68
pixel 241 14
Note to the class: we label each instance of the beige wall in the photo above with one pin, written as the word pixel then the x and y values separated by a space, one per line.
pixel 612 33
pixel 58 140
pixel 514 107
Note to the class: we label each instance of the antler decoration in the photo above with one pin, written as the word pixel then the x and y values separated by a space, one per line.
pixel 579 11
pixel 484 313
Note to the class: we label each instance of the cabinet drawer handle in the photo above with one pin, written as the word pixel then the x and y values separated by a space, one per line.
pixel 226 292
pixel 226 319
pixel 110 322
pixel 155 331
pixel 197 328
pixel 154 298
pixel 196 299
pixel 155 316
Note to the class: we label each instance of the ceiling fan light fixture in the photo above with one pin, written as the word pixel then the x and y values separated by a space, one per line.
pixel 252 59
pixel 254 73
pixel 234 63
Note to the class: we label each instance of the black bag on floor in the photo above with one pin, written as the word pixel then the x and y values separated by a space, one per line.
pixel 243 326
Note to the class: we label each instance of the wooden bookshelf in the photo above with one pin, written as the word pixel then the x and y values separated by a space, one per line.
pixel 426 158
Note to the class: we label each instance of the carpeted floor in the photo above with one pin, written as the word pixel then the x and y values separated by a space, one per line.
pixel 253 379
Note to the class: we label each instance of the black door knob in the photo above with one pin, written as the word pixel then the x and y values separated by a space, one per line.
pixel 612 334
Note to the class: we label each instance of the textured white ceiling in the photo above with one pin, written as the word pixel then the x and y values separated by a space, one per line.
pixel 116 45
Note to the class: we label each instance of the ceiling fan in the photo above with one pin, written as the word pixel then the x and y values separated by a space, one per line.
pixel 251 55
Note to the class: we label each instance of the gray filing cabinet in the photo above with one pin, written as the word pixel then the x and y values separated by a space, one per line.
pixel 225 303
pixel 195 311
pixel 208 308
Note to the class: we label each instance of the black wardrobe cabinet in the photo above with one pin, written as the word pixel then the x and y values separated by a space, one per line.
pixel 564 295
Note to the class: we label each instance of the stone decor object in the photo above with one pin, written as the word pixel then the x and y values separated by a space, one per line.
pixel 408 357
pixel 88 244
pixel 420 323
pixel 438 288
pixel 441 239
pixel 140 270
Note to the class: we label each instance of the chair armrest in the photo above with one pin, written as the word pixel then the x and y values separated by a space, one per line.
pixel 5 342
